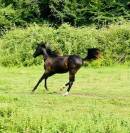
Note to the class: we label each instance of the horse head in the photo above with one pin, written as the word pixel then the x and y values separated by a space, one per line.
pixel 40 49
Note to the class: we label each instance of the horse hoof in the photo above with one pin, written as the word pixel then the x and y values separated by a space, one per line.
pixel 66 94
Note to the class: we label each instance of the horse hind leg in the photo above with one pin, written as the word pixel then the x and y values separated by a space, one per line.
pixel 72 73
pixel 61 89
pixel 67 92
pixel 70 83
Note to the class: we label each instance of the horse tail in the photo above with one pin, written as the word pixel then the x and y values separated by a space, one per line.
pixel 93 54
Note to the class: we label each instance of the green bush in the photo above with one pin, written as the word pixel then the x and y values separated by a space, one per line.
pixel 17 46
pixel 7 18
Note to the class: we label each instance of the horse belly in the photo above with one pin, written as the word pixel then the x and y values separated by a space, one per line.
pixel 61 69
pixel 61 65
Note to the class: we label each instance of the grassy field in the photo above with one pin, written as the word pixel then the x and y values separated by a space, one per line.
pixel 99 101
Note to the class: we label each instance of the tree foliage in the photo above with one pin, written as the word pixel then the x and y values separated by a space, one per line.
pixel 74 12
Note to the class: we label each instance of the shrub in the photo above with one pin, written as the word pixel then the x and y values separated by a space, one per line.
pixel 17 45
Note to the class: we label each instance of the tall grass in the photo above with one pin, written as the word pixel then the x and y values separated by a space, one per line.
pixel 19 121
pixel 17 45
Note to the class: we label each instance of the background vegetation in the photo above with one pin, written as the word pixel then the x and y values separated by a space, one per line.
pixel 23 23
pixel 77 13
pixel 17 45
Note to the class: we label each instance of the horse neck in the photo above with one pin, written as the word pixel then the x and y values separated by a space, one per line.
pixel 45 54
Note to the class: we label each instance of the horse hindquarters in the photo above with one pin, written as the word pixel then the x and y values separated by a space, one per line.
pixel 74 63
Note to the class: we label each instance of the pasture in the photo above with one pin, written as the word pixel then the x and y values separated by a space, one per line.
pixel 99 101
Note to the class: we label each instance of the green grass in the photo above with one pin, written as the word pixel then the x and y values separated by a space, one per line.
pixel 99 101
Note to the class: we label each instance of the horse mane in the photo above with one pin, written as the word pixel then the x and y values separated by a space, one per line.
pixel 52 53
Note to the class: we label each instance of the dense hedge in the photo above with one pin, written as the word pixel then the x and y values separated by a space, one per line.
pixel 16 47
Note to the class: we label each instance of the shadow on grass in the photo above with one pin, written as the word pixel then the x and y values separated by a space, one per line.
pixel 51 93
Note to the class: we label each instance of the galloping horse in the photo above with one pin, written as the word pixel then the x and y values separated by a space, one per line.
pixel 54 63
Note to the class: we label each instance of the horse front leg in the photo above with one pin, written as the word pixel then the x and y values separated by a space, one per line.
pixel 45 85
pixel 40 80
pixel 46 77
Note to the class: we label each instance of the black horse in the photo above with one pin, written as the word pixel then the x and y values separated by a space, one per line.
pixel 54 63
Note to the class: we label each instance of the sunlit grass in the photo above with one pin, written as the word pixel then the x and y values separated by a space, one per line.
pixel 99 101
